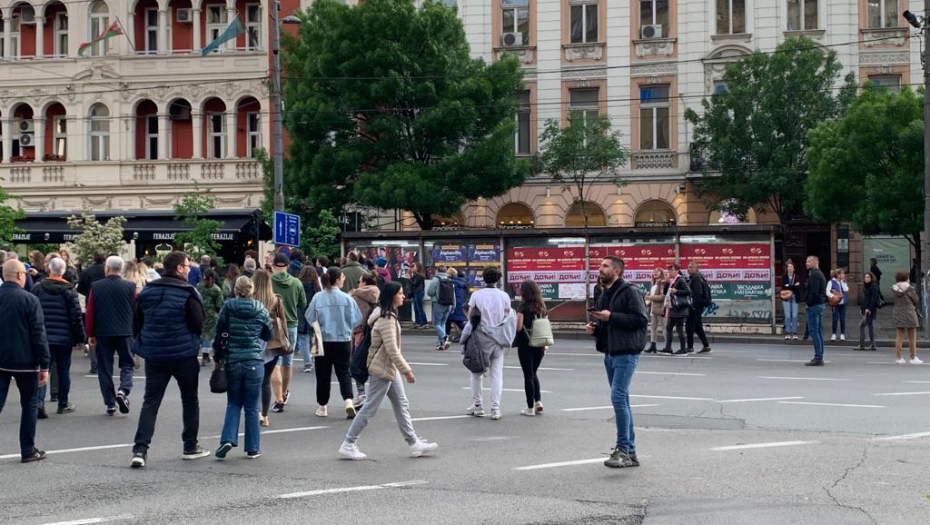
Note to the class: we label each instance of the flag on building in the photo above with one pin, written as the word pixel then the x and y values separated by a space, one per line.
pixel 112 30
pixel 233 30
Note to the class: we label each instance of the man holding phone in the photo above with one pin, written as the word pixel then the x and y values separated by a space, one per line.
pixel 619 323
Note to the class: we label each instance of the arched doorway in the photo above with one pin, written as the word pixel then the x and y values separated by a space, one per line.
pixel 574 218
pixel 655 213
pixel 515 215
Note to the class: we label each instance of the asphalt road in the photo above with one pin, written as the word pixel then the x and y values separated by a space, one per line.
pixel 745 435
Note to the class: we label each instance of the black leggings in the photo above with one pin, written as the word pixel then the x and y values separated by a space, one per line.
pixel 530 359
pixel 449 323
pixel 266 386
pixel 677 323
pixel 335 355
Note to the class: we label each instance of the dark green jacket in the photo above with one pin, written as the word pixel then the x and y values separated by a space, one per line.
pixel 212 302
pixel 247 323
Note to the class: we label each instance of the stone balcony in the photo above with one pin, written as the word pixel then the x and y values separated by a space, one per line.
pixel 655 160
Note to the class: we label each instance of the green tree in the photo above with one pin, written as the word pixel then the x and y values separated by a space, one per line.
pixel 323 238
pixel 868 167
pixel 755 133
pixel 94 234
pixel 191 211
pixel 386 108
pixel 582 155
pixel 8 217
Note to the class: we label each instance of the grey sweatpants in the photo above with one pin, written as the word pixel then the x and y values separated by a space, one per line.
pixel 377 389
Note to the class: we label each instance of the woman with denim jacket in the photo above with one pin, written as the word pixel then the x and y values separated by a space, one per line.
pixel 338 315
pixel 790 282
pixel 838 285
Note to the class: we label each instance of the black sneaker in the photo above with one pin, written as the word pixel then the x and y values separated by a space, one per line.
pixel 690 349
pixel 278 407
pixel 683 351
pixel 195 453
pixel 666 351
pixel 54 397
pixel 111 411
pixel 705 350
pixel 42 413
pixel 138 460
pixel 205 361
pixel 618 459
pixel 440 347
pixel 287 396
pixel 123 402
pixel 37 455
pixel 67 409
pixel 223 450
pixel 253 455
pixel 872 348
pixel 814 362
pixel 634 460
pixel 93 370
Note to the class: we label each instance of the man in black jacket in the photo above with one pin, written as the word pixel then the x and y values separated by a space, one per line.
pixel 619 325
pixel 23 354
pixel 89 276
pixel 700 299
pixel 815 299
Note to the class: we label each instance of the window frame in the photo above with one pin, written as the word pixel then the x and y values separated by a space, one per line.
pixel 883 21
pixel 151 137
pixel 584 5
pixel 655 16
pixel 253 137
pixel 60 135
pixel 253 25
pixel 516 6
pixel 523 117
pixel 102 21
pixel 584 109
pixel 877 83
pixel 214 29
pixel 16 36
pixel 151 31
pixel 100 139
pixel 729 13
pixel 61 33
pixel 802 10
pixel 654 107
pixel 216 138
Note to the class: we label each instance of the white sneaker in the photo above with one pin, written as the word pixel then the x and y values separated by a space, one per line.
pixel 795 337
pixel 528 412
pixel 787 337
pixel 833 337
pixel 351 451
pixel 475 411
pixel 842 337
pixel 422 448
pixel 539 407
pixel 322 412
pixel 495 414
pixel 350 409
pixel 900 361
pixel 916 361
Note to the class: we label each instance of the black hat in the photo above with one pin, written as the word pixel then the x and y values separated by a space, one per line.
pixel 281 260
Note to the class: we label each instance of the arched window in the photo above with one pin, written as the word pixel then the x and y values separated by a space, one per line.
pixel 99 132
pixel 575 216
pixel 99 21
pixel 655 213
pixel 515 215
pixel 454 222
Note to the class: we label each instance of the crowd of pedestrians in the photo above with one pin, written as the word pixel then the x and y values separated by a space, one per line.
pixel 178 316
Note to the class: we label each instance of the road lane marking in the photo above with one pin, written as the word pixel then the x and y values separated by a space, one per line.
pixel 115 377
pixel 673 397
pixel 287 430
pixel 757 399
pixel 562 464
pixel 594 354
pixel 918 382
pixel 803 378
pixel 585 409
pixel 508 390
pixel 881 363
pixel 638 372
pixel 544 368
pixel 903 394
pixel 764 445
pixel 90 521
pixel 672 356
pixel 440 418
pixel 786 360
pixel 427 364
pixel 903 437
pixel 828 404
pixel 360 488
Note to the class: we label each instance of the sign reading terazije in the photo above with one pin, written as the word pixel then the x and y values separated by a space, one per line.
pixel 286 229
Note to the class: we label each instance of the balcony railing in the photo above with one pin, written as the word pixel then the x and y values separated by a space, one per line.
pixel 131 173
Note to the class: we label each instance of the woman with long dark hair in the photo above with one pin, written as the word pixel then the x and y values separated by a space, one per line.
pixel 338 315
pixel 418 283
pixel 311 281
pixel 531 308
pixel 264 294
pixel 386 364
pixel 869 310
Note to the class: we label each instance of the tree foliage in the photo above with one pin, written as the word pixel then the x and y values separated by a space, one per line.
pixel 867 168
pixel 191 211
pixel 386 108
pixel 107 236
pixel 323 237
pixel 582 155
pixel 755 133
pixel 8 217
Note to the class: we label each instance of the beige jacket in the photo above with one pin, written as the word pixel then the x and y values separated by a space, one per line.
pixel 655 299
pixel 384 357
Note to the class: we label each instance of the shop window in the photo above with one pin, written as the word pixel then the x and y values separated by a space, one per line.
pixel 515 215
pixel 575 216
pixel 655 213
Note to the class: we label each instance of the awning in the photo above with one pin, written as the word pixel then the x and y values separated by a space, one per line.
pixel 144 225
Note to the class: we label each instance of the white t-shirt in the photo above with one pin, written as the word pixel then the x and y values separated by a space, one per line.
pixel 494 305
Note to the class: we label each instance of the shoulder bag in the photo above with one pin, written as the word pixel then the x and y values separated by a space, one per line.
pixel 280 344
pixel 219 382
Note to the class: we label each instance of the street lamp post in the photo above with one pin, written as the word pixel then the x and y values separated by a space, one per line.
pixel 277 124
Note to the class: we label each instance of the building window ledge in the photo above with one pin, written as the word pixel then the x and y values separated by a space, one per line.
pixel 884 36
pixel 815 34
pixel 525 54
pixel 735 37
pixel 654 47
pixel 591 51
pixel 654 160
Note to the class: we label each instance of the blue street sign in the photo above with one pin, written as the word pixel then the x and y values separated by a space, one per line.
pixel 286 229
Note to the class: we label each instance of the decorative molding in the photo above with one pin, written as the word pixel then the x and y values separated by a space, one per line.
pixel 248 170
pixel 525 54
pixel 584 74
pixel 179 171
pixel 813 34
pixel 98 69
pixel 211 171
pixel 41 204
pixel 149 201
pixel 96 202
pixel 880 58
pixel 241 199
pixel 737 37
pixel 654 69
pixel 886 36
pixel 594 51
pixel 143 172
pixel 53 174
pixel 654 160
pixel 654 46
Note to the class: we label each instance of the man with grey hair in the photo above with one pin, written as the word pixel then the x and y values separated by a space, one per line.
pixel 110 307
pixel 248 267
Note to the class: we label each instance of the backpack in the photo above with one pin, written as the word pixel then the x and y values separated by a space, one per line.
pixel 446 293
pixel 358 365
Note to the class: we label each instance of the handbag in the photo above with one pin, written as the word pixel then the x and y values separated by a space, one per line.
pixel 541 333
pixel 785 295
pixel 280 344
pixel 316 349
pixel 219 383
pixel 221 341
pixel 681 301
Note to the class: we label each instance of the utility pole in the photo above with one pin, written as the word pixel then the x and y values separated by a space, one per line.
pixel 277 129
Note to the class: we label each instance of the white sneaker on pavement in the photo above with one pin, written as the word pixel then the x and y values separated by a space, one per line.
pixel 833 337
pixel 475 411
pixel 899 360
pixel 916 361
pixel 528 412
pixel 322 412
pixel 351 451
pixel 842 337
pixel 495 414
pixel 422 448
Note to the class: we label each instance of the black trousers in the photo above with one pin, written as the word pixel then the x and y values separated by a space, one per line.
pixel 530 359
pixel 335 356
pixel 28 385
pixel 157 376
pixel 267 395
pixel 677 323
pixel 696 326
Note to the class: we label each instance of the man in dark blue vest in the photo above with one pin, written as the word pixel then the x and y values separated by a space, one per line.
pixel 109 327
pixel 168 324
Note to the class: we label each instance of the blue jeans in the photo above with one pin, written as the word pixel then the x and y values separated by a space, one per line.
pixel 106 347
pixel 28 384
pixel 207 346
pixel 839 315
pixel 244 393
pixel 791 316
pixel 61 361
pixel 815 327
pixel 419 314
pixel 287 361
pixel 620 369
pixel 440 316
pixel 303 346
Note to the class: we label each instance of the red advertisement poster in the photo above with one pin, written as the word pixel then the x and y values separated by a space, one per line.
pixel 730 262
pixel 640 259
pixel 545 259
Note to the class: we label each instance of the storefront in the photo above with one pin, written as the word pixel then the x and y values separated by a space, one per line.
pixel 150 232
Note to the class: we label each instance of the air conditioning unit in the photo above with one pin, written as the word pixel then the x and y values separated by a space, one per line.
pixel 27 16
pixel 185 16
pixel 25 140
pixel 26 126
pixel 652 31
pixel 512 39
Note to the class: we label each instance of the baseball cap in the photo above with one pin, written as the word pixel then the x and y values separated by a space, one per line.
pixel 281 260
